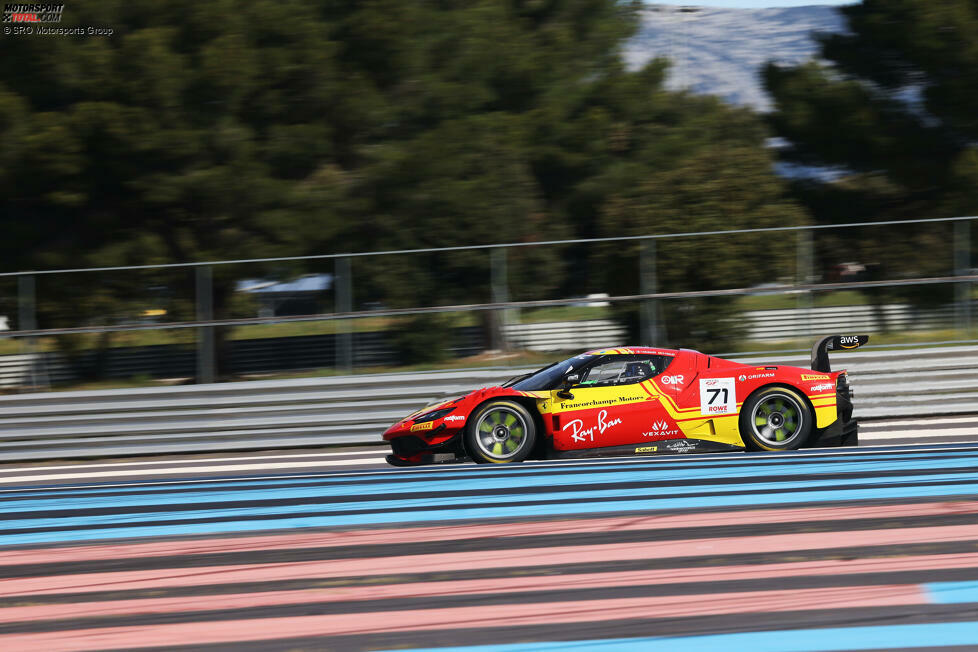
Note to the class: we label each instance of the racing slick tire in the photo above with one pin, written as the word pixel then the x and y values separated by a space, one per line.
pixel 776 418
pixel 500 432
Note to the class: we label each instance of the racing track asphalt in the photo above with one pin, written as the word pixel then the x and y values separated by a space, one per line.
pixel 870 548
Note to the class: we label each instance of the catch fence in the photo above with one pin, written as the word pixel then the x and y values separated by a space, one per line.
pixel 343 321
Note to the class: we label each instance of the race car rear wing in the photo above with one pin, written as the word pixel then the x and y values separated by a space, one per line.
pixel 820 352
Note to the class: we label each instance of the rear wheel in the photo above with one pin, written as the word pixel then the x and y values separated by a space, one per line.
pixel 775 419
pixel 500 432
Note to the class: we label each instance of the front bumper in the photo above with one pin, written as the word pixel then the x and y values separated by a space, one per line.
pixel 412 450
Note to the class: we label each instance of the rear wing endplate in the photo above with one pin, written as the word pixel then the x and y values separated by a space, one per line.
pixel 820 352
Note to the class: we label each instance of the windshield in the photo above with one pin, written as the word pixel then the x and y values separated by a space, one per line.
pixel 549 377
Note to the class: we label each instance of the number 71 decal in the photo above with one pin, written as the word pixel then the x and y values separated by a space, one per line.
pixel 718 396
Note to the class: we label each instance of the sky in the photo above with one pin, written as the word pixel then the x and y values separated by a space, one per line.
pixel 751 4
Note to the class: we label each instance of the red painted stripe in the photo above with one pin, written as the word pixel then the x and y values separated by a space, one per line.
pixel 514 584
pixel 449 561
pixel 183 547
pixel 508 615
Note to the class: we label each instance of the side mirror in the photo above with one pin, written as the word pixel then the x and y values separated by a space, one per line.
pixel 565 386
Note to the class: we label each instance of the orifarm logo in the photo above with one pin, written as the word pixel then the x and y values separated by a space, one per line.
pixel 32 13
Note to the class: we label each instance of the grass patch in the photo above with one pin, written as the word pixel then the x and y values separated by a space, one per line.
pixel 790 301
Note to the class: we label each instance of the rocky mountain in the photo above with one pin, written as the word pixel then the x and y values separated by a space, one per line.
pixel 721 51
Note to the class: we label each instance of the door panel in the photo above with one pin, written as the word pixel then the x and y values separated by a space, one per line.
pixel 610 416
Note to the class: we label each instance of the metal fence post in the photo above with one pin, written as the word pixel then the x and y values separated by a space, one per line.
pixel 205 334
pixel 962 264
pixel 648 282
pixel 344 303
pixel 803 275
pixel 27 318
pixel 500 294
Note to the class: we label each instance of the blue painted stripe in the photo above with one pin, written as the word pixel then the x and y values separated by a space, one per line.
pixel 447 499
pixel 733 460
pixel 952 592
pixel 884 637
pixel 260 490
pixel 482 512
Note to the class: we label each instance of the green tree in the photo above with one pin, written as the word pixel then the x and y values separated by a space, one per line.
pixel 220 130
pixel 462 154
pixel 891 108
pixel 195 132
pixel 708 170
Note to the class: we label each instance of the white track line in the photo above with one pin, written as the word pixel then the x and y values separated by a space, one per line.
pixel 190 462
pixel 934 438
pixel 184 470
pixel 917 422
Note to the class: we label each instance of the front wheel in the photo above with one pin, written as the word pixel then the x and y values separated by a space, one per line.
pixel 500 432
pixel 775 419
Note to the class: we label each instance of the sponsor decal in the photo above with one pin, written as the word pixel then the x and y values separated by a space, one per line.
pixel 741 377
pixel 682 446
pixel 599 402
pixel 718 396
pixel 32 12
pixel 645 449
pixel 660 430
pixel 427 425
pixel 825 387
pixel 808 377
pixel 849 341
pixel 673 380
pixel 34 18
pixel 455 417
pixel 767 375
pixel 580 433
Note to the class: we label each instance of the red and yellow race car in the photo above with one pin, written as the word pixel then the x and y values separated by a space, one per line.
pixel 637 401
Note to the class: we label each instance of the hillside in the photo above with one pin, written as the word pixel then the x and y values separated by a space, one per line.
pixel 720 51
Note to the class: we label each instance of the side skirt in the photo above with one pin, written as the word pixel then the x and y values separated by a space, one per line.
pixel 662 447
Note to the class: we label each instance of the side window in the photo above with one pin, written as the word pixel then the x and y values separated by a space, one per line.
pixel 623 370
pixel 659 362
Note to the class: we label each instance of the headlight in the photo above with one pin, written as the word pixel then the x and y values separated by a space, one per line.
pixel 431 416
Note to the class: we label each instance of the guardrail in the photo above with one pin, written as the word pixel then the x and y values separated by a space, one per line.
pixel 797 323
pixel 563 336
pixel 355 409
pixel 276 354
pixel 376 348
